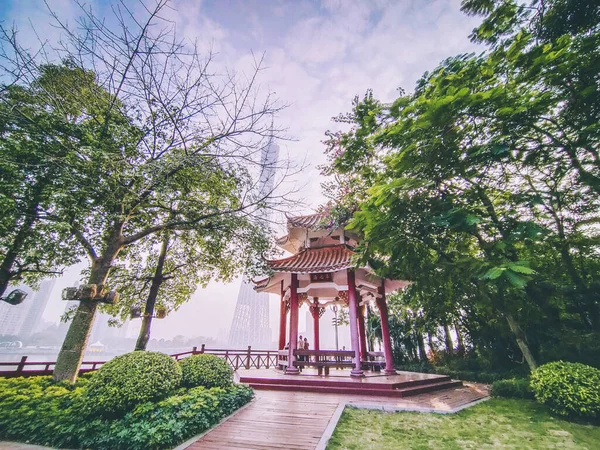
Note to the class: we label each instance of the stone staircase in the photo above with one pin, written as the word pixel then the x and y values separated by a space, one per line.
pixel 386 388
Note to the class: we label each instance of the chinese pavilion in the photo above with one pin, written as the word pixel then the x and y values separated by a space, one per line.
pixel 321 273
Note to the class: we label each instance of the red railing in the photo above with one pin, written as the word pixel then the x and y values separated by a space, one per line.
pixel 25 368
pixel 237 359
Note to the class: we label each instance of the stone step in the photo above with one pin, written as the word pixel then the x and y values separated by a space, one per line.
pixel 359 390
pixel 299 380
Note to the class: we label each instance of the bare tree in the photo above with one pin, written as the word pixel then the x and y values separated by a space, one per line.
pixel 184 122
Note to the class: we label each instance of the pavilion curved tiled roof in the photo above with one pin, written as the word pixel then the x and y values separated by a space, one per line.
pixel 315 260
pixel 310 221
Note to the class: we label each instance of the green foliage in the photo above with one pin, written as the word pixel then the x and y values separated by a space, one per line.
pixel 166 423
pixel 48 132
pixel 131 379
pixel 569 389
pixel 38 410
pixel 512 388
pixel 482 187
pixel 420 367
pixel 469 375
pixel 206 370
pixel 572 345
pixel 192 260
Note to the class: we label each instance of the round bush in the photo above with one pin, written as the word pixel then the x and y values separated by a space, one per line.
pixel 129 379
pixel 569 389
pixel 206 370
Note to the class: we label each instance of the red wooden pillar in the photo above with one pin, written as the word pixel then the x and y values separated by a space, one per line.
pixel 362 333
pixel 292 370
pixel 352 312
pixel 385 331
pixel 315 310
pixel 282 320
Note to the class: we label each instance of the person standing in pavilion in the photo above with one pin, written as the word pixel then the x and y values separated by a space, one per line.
pixel 300 346
pixel 306 346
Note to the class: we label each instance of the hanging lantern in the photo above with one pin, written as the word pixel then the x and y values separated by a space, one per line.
pixel 69 293
pixel 83 292
pixel 86 291
pixel 161 313
pixel 109 298
pixel 135 312
pixel 16 297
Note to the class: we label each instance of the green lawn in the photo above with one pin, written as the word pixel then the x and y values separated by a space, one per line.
pixel 497 423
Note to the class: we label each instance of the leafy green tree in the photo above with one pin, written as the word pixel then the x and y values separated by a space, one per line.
pixel 47 128
pixel 162 170
pixel 487 173
pixel 164 272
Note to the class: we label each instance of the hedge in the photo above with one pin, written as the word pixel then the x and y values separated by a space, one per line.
pixel 37 410
pixel 512 388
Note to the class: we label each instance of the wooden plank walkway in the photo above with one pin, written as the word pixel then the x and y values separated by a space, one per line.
pixel 297 420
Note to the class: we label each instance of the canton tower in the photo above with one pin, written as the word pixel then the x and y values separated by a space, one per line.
pixel 250 325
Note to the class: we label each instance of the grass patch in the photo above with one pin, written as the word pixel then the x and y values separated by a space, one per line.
pixel 497 423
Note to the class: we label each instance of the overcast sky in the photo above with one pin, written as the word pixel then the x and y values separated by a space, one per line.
pixel 319 55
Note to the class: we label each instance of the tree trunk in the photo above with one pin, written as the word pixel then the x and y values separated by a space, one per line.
pixel 461 343
pixel 521 341
pixel 157 281
pixel 448 340
pixel 421 342
pixel 370 331
pixel 73 348
pixel 430 344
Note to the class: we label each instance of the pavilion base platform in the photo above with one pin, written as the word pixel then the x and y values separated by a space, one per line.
pixel 402 384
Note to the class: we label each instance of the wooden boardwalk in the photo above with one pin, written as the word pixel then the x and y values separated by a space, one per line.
pixel 297 420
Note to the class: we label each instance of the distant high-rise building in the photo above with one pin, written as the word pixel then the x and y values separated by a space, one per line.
pixel 103 331
pixel 250 325
pixel 37 307
pixel 12 317
pixel 24 319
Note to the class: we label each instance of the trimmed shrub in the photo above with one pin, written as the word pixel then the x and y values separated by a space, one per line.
pixel 206 370
pixel 130 379
pixel 38 410
pixel 512 388
pixel 569 389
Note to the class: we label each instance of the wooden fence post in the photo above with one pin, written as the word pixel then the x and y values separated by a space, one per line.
pixel 194 350
pixel 202 348
pixel 248 357
pixel 21 365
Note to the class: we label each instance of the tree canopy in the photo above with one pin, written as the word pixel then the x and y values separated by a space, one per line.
pixel 481 187
pixel 171 147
